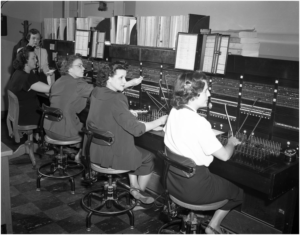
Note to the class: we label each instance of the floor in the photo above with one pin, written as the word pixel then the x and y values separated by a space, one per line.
pixel 55 210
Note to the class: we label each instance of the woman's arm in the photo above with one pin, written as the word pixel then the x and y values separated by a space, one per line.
pixel 134 82
pixel 40 87
pixel 226 152
pixel 158 122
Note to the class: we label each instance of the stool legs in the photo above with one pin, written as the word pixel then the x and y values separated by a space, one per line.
pixel 71 179
pixel 29 150
pixel 26 148
pixel 109 197
pixel 38 183
pixel 189 224
pixel 88 221
pixel 60 165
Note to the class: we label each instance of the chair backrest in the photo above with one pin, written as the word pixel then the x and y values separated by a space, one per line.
pixel 96 136
pixel 13 116
pixel 50 113
pixel 180 165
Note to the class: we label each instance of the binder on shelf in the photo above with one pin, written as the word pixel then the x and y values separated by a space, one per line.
pixel 97 44
pixel 82 24
pixel 71 29
pixel 214 53
pixel 82 38
pixel 122 29
pixel 186 50
pixel 105 27
pixel 62 29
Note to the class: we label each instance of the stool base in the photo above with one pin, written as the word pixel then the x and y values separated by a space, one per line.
pixel 188 224
pixel 109 195
pixel 60 169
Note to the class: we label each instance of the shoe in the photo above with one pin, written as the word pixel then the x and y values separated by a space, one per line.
pixel 78 156
pixel 140 197
pixel 139 206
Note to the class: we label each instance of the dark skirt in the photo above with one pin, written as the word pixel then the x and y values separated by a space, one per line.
pixel 147 163
pixel 28 113
pixel 204 188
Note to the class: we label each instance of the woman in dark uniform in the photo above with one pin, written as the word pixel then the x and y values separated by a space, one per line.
pixel 190 135
pixel 109 111
pixel 69 93
pixel 26 86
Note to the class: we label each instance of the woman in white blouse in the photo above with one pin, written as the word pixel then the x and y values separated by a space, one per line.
pixel 35 40
pixel 190 135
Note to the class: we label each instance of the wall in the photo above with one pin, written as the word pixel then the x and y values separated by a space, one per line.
pixel 277 22
pixel 90 8
pixel 17 12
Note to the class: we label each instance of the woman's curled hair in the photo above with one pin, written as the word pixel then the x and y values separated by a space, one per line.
pixel 109 70
pixel 187 86
pixel 67 63
pixel 22 57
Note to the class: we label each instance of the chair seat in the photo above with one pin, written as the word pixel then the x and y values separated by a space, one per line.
pixel 205 207
pixel 27 128
pixel 100 169
pixel 62 142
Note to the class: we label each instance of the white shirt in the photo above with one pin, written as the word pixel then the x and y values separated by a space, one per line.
pixel 190 135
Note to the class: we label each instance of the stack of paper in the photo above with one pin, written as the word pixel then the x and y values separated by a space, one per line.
pixel 242 42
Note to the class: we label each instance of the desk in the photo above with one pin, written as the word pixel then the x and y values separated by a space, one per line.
pixel 5 189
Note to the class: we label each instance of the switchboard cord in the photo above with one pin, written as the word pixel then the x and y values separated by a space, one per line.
pixel 256 124
pixel 163 93
pixel 247 115
pixel 155 101
pixel 228 119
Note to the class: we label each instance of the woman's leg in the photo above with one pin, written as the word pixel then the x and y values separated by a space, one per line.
pixel 143 181
pixel 216 222
pixel 134 181
pixel 137 184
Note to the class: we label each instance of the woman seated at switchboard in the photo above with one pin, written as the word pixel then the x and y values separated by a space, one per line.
pixel 69 93
pixel 189 134
pixel 109 101
pixel 25 86
pixel 43 72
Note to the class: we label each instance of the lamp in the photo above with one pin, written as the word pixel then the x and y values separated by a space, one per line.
pixel 102 6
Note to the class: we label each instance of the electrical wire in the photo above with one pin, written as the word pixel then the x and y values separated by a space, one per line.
pixel 228 119
pixel 154 100
pixel 256 124
pixel 247 115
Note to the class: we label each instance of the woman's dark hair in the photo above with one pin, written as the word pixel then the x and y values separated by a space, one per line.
pixel 22 57
pixel 109 70
pixel 33 32
pixel 187 86
pixel 67 63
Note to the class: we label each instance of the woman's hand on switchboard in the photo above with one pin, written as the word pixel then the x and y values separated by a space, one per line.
pixel 234 141
pixel 134 82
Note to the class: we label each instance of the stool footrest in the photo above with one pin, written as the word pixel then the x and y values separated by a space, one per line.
pixel 206 207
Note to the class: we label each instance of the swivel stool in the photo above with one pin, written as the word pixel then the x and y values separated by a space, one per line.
pixel 16 131
pixel 109 194
pixel 190 223
pixel 61 167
